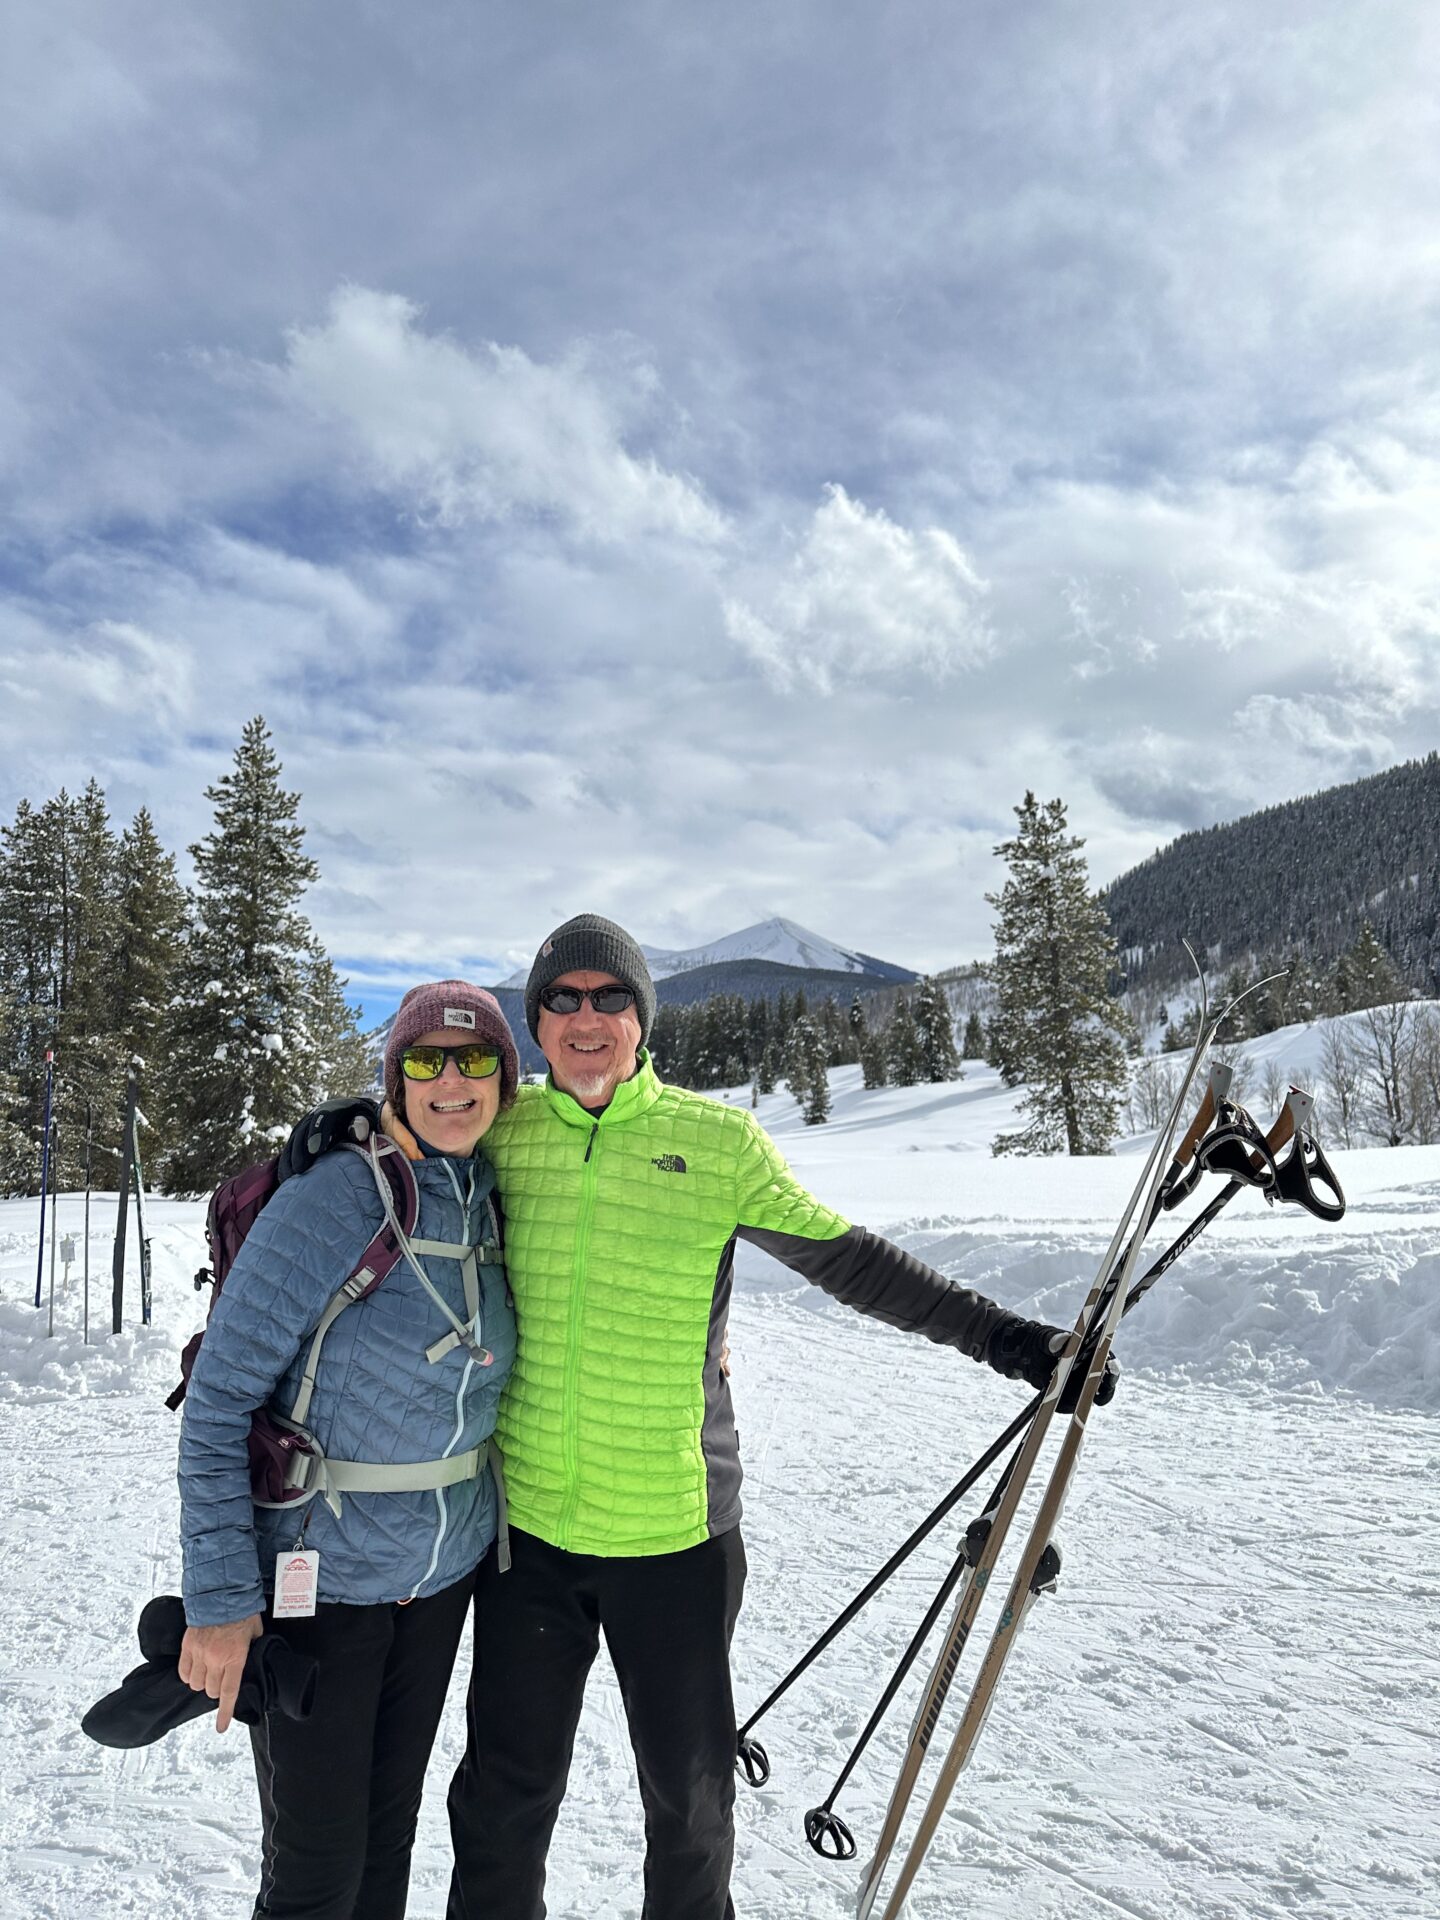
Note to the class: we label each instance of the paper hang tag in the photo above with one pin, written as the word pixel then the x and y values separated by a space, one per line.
pixel 297 1581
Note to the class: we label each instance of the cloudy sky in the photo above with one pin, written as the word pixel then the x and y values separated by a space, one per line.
pixel 705 462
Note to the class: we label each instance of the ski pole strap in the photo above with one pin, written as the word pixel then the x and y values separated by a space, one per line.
pixel 1236 1146
pixel 1301 1169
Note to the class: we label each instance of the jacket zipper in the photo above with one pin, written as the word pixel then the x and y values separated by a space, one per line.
pixel 442 1509
pixel 572 1339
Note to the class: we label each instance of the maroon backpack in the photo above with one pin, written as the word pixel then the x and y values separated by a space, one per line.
pixel 235 1206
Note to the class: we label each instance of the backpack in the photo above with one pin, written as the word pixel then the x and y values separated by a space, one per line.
pixel 234 1207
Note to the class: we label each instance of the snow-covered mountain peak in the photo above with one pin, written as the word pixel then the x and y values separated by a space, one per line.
pixel 777 939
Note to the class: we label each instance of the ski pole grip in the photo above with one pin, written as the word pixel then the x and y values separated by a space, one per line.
pixel 1283 1130
pixel 1198 1126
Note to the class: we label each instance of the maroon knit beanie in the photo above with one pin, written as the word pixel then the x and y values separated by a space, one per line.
pixel 471 1012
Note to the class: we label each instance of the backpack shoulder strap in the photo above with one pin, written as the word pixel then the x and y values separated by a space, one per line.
pixel 401 1211
pixel 400 1200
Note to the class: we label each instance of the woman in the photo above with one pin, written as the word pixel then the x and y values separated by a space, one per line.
pixel 405 1386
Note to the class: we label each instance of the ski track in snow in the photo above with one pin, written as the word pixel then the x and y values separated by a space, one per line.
pixel 1227 1712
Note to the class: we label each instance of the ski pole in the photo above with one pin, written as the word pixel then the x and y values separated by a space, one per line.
pixel 1038 1565
pixel 1083 1355
pixel 820 1822
pixel 750 1754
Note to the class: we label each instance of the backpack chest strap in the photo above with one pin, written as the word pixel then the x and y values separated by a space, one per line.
pixel 404 1476
pixel 310 1472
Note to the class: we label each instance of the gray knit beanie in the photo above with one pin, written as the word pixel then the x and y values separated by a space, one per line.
pixel 474 1015
pixel 591 944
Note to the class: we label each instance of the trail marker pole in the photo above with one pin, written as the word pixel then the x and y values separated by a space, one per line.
pixel 127 1147
pixel 45 1168
pixel 89 1154
pixel 54 1236
pixel 140 1227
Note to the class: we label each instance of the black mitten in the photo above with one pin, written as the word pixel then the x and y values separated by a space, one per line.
pixel 1028 1349
pixel 348 1117
pixel 153 1700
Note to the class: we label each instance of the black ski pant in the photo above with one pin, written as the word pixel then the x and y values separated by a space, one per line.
pixel 340 1792
pixel 667 1620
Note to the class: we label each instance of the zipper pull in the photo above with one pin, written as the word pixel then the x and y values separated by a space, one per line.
pixel 591 1141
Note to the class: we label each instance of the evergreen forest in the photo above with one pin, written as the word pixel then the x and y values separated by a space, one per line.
pixel 221 990
pixel 1294 882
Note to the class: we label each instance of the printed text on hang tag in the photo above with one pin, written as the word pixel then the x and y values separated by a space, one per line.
pixel 297 1581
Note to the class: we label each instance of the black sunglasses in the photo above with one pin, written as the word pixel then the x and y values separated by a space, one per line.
pixel 428 1063
pixel 571 999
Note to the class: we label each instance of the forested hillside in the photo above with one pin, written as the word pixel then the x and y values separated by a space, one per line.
pixel 1303 876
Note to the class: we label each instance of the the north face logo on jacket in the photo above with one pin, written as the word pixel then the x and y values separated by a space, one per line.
pixel 669 1163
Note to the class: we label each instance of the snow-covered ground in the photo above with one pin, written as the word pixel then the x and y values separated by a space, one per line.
pixel 1228 1712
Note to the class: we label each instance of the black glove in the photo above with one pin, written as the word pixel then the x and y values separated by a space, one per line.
pixel 349 1117
pixel 1028 1349
pixel 153 1699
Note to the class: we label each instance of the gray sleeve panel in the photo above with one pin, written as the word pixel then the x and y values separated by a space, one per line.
pixel 719 1441
pixel 876 1277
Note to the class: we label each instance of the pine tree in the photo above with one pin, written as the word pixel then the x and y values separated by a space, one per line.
pixel 1055 1025
pixel 903 1056
pixel 663 1044
pixel 768 1071
pixel 935 1033
pixel 973 1045
pixel 151 915
pixel 817 1099
pixel 258 1029
pixel 1239 1025
pixel 834 1030
pixel 57 932
pixel 757 1032
pixel 1366 976
pixel 874 1062
pixel 800 1051
pixel 28 973
pixel 19 1161
pixel 91 1059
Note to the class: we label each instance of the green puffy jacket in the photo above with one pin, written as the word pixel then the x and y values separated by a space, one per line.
pixel 616 1427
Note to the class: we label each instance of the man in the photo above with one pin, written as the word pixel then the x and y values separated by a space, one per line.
pixel 623 1201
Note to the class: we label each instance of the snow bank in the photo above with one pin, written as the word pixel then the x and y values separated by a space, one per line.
pixel 1361 1319
pixel 35 1365
pixel 1267 1299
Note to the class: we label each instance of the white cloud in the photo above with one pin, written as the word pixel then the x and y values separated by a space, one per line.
pixel 1146 328
pixel 486 434
pixel 861 597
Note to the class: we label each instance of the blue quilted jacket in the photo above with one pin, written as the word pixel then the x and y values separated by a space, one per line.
pixel 376 1396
